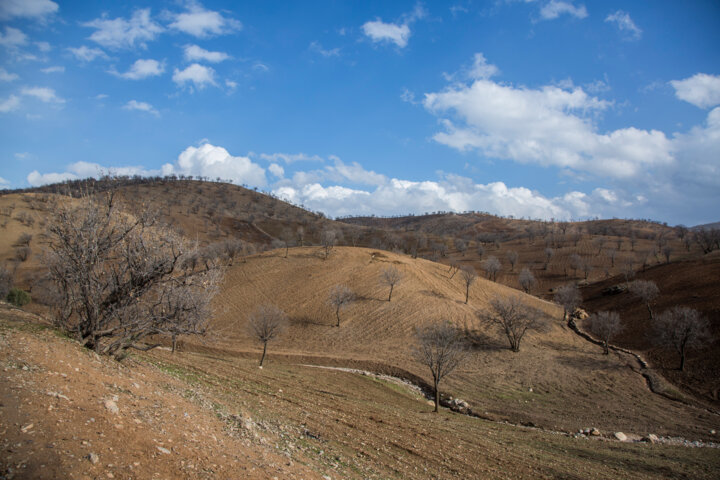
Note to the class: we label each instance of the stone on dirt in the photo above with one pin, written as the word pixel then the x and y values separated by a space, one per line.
pixel 112 406
pixel 621 436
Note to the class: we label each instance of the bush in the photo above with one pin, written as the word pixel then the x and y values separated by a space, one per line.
pixel 18 297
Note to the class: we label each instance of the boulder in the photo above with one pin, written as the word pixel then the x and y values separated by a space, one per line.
pixel 621 436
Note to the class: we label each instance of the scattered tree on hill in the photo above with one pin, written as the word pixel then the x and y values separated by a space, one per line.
pixel 6 281
pixel 492 265
pixel 460 246
pixel 120 279
pixel 611 253
pixel 575 263
pixel 645 290
pixel 526 279
pixel 667 250
pixel 469 275
pixel 265 324
pixel 287 238
pixel 441 349
pixel 480 251
pixel 513 318
pixel 549 252
pixel 681 328
pixel 301 235
pixel 390 276
pixel 599 243
pixel 232 247
pixel 586 267
pixel 340 297
pixel 328 239
pixel 628 271
pixel 512 257
pixel 605 325
pixel 633 241
pixel 569 297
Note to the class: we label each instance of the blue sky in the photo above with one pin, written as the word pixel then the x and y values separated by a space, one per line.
pixel 540 109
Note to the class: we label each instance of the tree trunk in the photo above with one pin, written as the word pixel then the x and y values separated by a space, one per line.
pixel 467 293
pixel 605 347
pixel 174 342
pixel 437 398
pixel 391 289
pixel 337 314
pixel 649 311
pixel 262 359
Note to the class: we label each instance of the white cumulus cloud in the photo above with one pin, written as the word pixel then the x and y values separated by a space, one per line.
pixel 554 8
pixel 379 31
pixel 12 38
pixel 6 76
pixel 625 24
pixel 55 69
pixel 84 170
pixel 702 90
pixel 120 33
pixel 44 94
pixel 142 68
pixel 9 104
pixel 213 162
pixel 141 106
pixel 27 8
pixel 199 22
pixel 87 54
pixel 195 53
pixel 198 75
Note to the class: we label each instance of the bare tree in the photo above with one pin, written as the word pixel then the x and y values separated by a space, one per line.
pixel 512 317
pixel 628 271
pixel 6 282
pixel 121 278
pixel 301 235
pixel 469 275
pixel 441 349
pixel 605 325
pixel 390 276
pixel 22 253
pixel 586 267
pixel 645 290
pixel 611 253
pixel 340 297
pixel 549 252
pixel 575 263
pixel 480 251
pixel 232 248
pixel 328 239
pixel 492 265
pixel 667 250
pixel 512 257
pixel 265 324
pixel 461 246
pixel 569 297
pixel 526 279
pixel 599 243
pixel 681 328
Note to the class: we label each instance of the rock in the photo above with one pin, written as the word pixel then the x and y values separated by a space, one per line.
pixel 594 432
pixel 651 438
pixel 112 406
pixel 712 432
pixel 163 450
pixel 621 436
pixel 94 459
pixel 27 427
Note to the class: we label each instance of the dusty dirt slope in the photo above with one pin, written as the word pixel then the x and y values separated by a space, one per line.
pixel 192 415
pixel 557 380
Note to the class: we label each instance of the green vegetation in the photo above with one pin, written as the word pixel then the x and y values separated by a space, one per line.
pixel 18 297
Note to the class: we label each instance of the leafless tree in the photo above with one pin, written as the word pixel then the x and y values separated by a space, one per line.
pixel 575 263
pixel 512 257
pixel 611 253
pixel 232 248
pixel 287 238
pixel 667 250
pixel 22 253
pixel 645 290
pixel 6 281
pixel 681 328
pixel 390 276
pixel 526 279
pixel 301 235
pixel 512 317
pixel 340 297
pixel 569 297
pixel 605 325
pixel 492 265
pixel 121 278
pixel 599 243
pixel 328 239
pixel 469 275
pixel 628 271
pixel 586 267
pixel 461 246
pixel 265 324
pixel 549 252
pixel 441 349
pixel 633 241
pixel 480 251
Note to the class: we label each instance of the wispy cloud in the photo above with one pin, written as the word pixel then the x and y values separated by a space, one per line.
pixel 625 24
pixel 141 107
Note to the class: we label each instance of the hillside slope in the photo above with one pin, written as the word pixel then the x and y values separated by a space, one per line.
pixel 557 380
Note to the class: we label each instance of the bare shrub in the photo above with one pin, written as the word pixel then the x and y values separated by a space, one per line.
pixel 605 325
pixel 440 348
pixel 6 281
pixel 340 297
pixel 681 328
pixel 22 253
pixel 513 318
pixel 390 276
pixel 469 275
pixel 24 239
pixel 568 296
pixel 121 278
pixel 492 265
pixel 328 240
pixel 526 279
pixel 512 257
pixel 265 324
pixel 549 252
pixel 645 290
